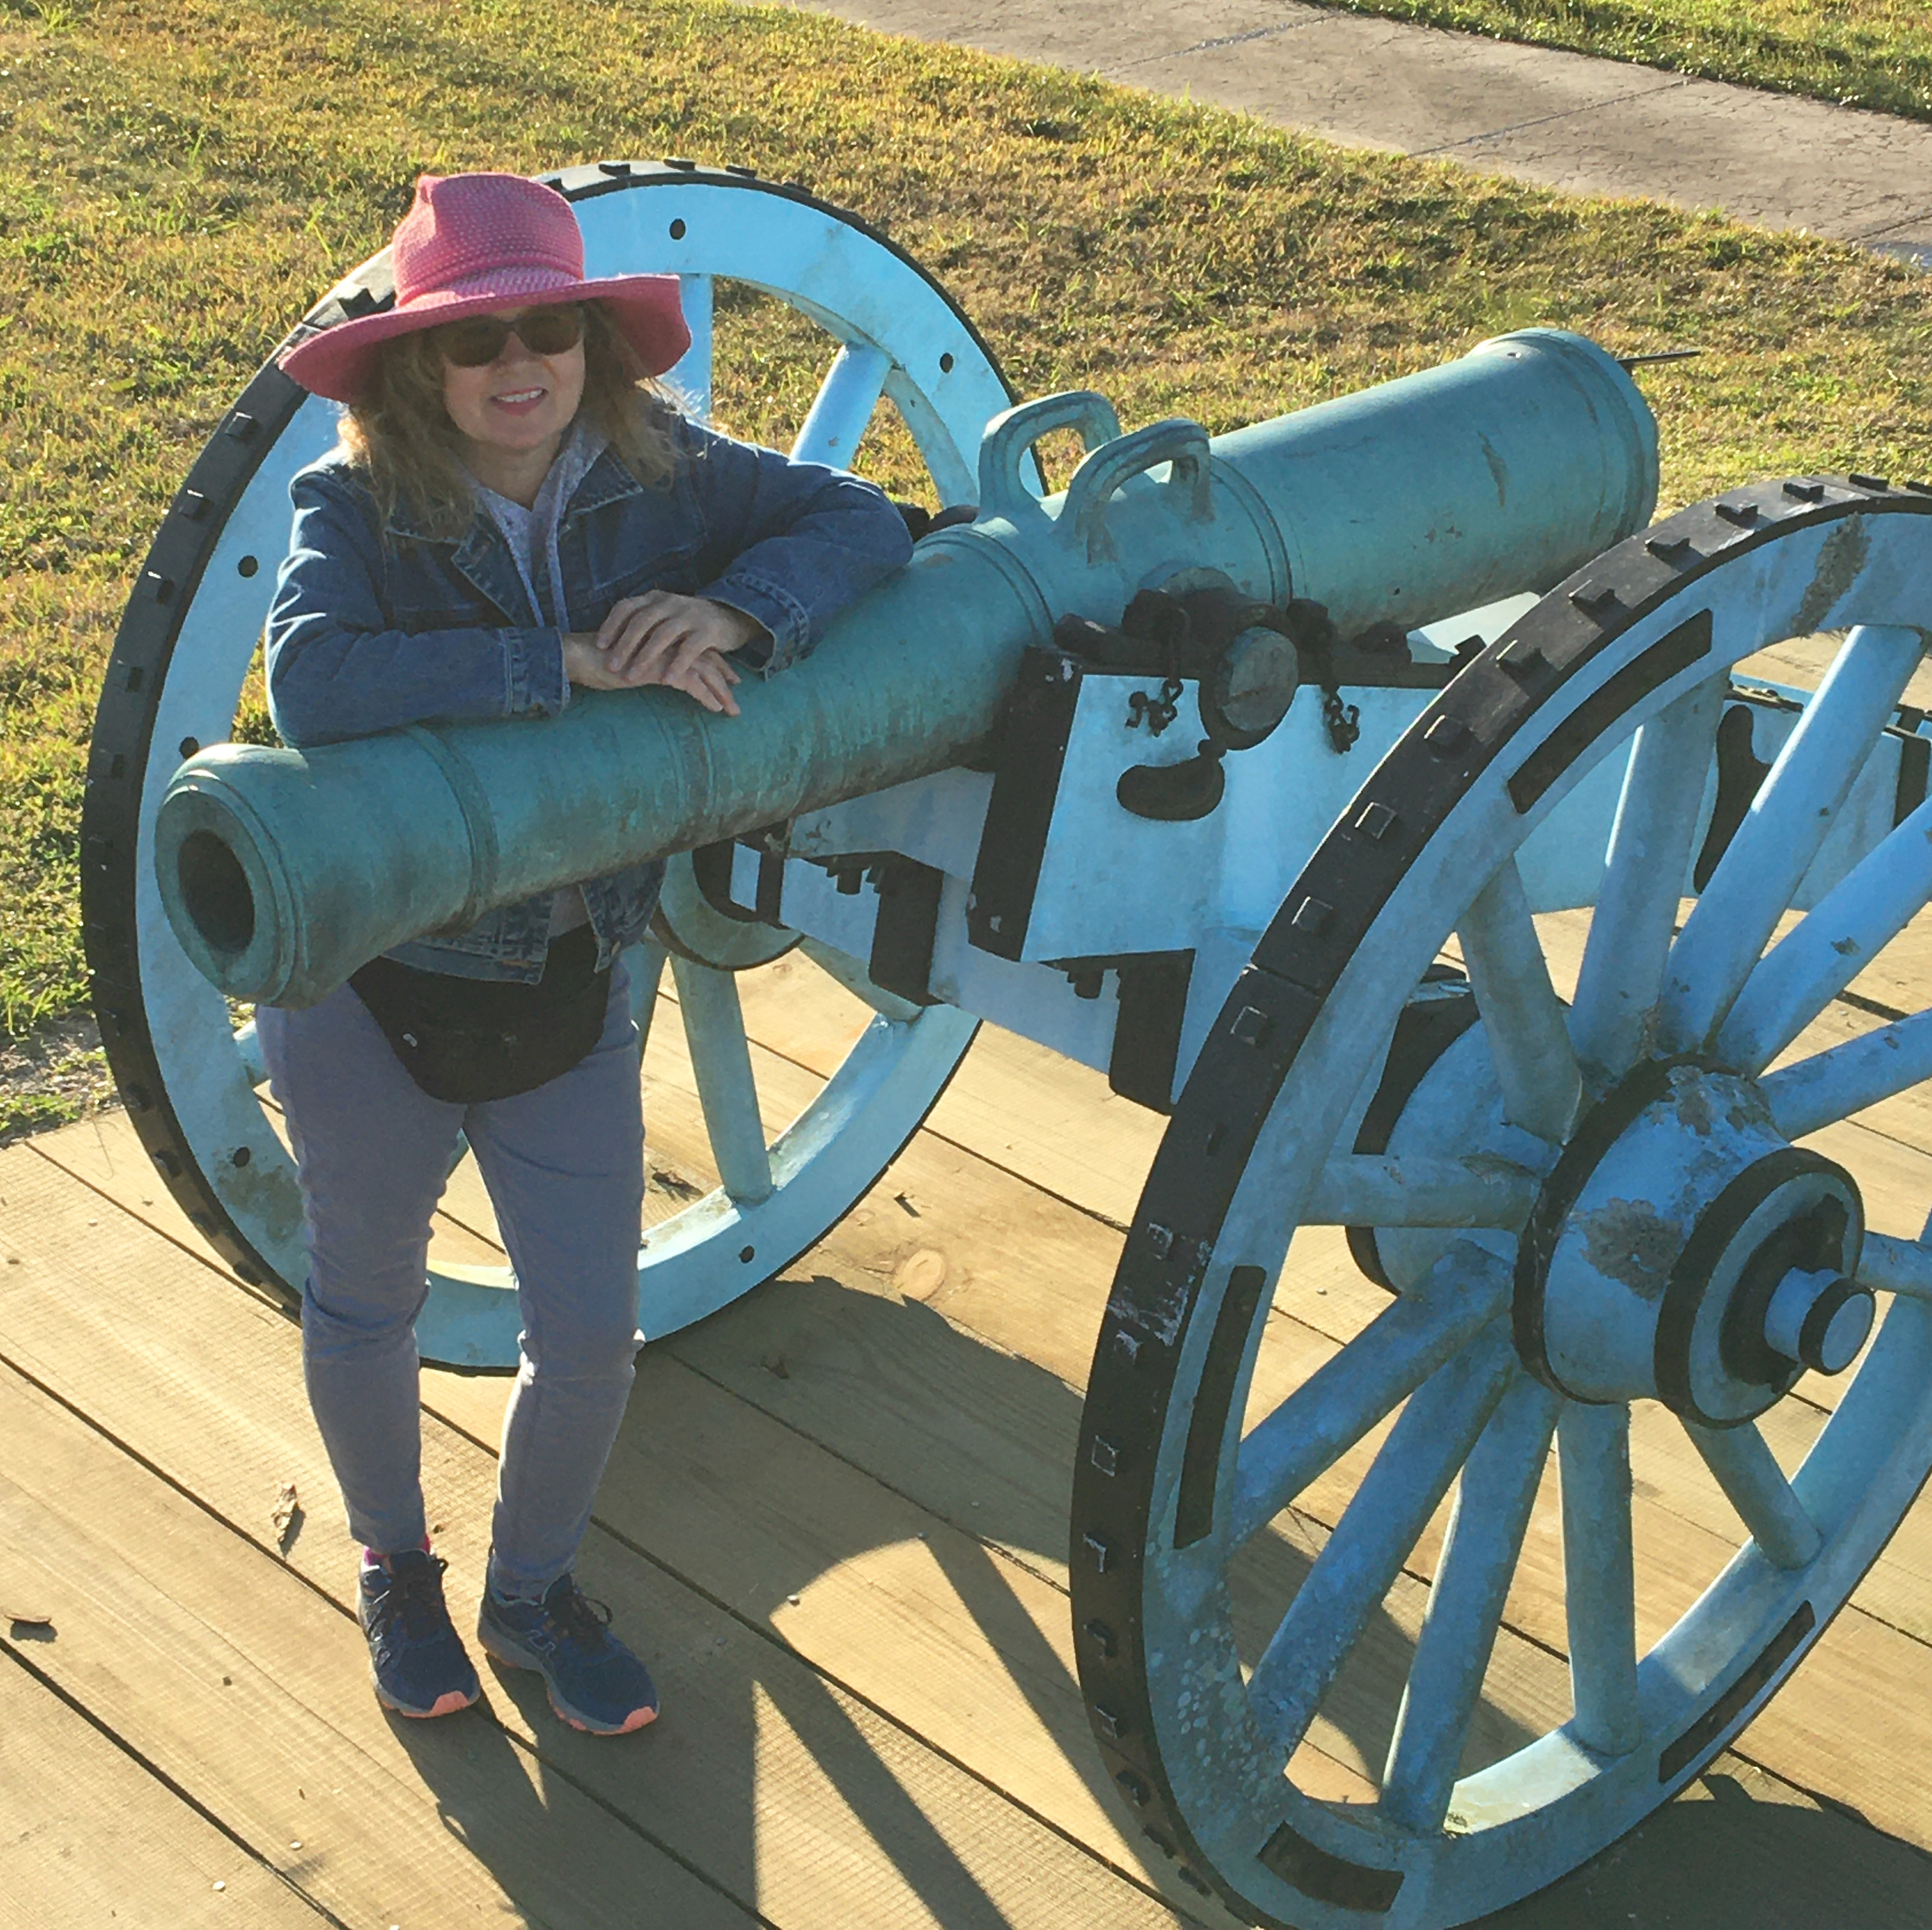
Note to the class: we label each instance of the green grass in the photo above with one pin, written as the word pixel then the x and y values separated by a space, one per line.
pixel 21 1113
pixel 177 185
pixel 34 1112
pixel 1862 53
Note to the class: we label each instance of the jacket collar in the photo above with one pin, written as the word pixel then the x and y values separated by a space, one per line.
pixel 483 558
pixel 606 480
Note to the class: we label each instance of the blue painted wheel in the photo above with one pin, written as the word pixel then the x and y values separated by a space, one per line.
pixel 1587 1212
pixel 189 1079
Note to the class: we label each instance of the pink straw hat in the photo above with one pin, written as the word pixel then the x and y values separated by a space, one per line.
pixel 472 242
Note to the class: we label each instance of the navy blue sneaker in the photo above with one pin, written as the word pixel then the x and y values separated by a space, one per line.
pixel 595 1683
pixel 415 1653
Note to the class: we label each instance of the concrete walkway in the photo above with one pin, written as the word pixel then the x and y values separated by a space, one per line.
pixel 1595 126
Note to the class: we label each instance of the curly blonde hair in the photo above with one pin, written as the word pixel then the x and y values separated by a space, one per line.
pixel 399 434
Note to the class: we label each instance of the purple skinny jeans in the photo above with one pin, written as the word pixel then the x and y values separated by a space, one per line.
pixel 564 1165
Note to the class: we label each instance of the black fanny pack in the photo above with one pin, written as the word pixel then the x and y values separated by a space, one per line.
pixel 467 1039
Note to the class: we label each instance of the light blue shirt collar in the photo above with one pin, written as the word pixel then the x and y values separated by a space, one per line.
pixel 532 533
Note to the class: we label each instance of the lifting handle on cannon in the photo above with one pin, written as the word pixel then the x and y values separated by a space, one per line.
pixel 1010 440
pixel 1177 442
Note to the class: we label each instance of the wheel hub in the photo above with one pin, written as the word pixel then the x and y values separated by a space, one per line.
pixel 1682 1250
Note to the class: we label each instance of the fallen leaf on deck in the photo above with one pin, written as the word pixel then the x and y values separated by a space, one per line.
pixel 286 1514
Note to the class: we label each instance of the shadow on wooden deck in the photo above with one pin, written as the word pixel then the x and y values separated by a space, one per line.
pixel 836 1521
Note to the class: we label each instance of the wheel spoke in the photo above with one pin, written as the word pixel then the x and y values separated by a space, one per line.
pixel 1523 1018
pixel 1466 1605
pixel 1837 939
pixel 1645 875
pixel 1345 1397
pixel 721 1057
pixel 646 962
pixel 1373 1189
pixel 1359 1564
pixel 690 380
pixel 842 410
pixel 1755 1487
pixel 1760 872
pixel 1600 1577
pixel 248 1043
pixel 1832 1085
pixel 1887 1265
pixel 851 974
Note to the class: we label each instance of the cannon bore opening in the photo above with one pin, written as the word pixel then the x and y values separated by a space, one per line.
pixel 214 890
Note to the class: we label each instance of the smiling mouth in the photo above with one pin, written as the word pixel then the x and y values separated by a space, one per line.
pixel 519 395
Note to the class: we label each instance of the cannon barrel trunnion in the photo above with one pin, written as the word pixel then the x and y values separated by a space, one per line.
pixel 1270 773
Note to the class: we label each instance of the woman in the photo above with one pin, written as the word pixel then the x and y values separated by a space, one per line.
pixel 513 512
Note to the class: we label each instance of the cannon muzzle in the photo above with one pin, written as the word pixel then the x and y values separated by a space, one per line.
pixel 281 871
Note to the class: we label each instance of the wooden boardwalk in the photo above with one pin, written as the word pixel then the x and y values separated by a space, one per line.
pixel 835 1522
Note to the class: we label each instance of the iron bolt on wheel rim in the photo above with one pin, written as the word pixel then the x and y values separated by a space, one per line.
pixel 1207 1668
pixel 189 1078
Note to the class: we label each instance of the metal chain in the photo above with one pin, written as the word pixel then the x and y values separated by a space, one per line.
pixel 1156 712
pixel 1315 638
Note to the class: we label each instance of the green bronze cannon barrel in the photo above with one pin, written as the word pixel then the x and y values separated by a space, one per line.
pixel 283 871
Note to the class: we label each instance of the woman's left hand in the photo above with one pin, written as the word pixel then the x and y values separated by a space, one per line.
pixel 659 637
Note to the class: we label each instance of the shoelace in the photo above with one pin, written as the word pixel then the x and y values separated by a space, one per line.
pixel 577 1618
pixel 411 1607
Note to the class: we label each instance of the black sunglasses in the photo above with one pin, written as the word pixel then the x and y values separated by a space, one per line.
pixel 478 339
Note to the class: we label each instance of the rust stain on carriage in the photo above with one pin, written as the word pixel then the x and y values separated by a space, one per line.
pixel 1840 563
pixel 266 1193
pixel 1694 1107
pixel 1704 1102
pixel 1630 1241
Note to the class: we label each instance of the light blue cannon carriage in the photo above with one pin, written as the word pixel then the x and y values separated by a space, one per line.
pixel 1194 772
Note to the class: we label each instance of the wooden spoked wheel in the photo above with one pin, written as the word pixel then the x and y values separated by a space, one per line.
pixel 190 1076
pixel 1591 1213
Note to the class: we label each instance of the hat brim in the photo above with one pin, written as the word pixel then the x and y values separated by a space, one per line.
pixel 340 362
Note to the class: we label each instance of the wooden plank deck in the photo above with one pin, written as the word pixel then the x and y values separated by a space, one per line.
pixel 836 1517
pixel 836 1520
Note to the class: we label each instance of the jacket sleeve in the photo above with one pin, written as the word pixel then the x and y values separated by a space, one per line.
pixel 803 540
pixel 339 667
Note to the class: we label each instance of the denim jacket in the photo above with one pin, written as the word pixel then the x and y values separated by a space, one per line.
pixel 373 628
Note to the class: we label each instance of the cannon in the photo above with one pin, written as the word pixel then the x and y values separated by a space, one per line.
pixel 1243 770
